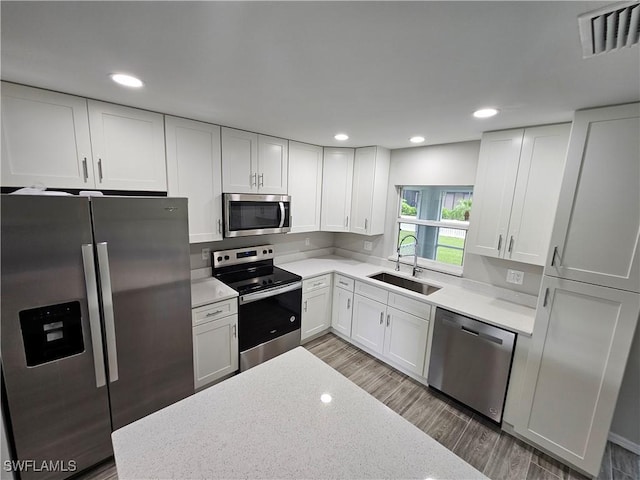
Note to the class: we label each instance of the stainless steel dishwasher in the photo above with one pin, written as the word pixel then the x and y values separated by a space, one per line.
pixel 471 361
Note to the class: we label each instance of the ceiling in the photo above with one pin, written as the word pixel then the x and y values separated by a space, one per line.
pixel 378 71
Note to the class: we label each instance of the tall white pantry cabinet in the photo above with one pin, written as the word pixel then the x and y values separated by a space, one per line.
pixel 589 302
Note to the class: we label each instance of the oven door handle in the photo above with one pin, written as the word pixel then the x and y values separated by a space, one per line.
pixel 272 292
pixel 281 214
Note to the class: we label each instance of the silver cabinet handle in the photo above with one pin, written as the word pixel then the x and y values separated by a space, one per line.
pixel 219 226
pixel 253 179
pixel 94 313
pixel 85 172
pixel 100 170
pixel 347 225
pixel 282 214
pixel 343 283
pixel 554 255
pixel 107 305
pixel 381 317
pixel 305 305
pixel 365 223
pixel 261 177
pixel 211 314
pixel 546 297
pixel 348 303
pixel 499 242
pixel 235 330
pixel 388 319
pixel 510 243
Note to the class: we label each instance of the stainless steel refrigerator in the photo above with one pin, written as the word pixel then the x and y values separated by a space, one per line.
pixel 96 320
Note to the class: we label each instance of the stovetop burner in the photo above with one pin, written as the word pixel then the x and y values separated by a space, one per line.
pixel 251 269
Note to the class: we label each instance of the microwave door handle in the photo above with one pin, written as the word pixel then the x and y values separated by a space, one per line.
pixel 281 214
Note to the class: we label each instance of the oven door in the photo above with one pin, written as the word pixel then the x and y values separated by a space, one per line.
pixel 256 214
pixel 269 323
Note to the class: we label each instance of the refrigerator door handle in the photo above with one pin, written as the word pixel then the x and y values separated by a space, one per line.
pixel 107 304
pixel 94 313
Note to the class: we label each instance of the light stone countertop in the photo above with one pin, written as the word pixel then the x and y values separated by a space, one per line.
pixel 209 290
pixel 481 306
pixel 269 422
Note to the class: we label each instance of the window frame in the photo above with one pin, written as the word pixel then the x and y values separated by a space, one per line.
pixel 422 261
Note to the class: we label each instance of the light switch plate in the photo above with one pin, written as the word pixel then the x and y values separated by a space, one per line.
pixel 515 276
pixel 368 246
pixel 306 242
pixel 205 253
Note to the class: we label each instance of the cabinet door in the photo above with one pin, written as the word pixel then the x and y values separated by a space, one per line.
pixel 493 192
pixel 239 161
pixel 45 139
pixel 597 226
pixel 128 147
pixel 194 171
pixel 215 350
pixel 405 340
pixel 341 311
pixel 273 165
pixel 337 177
pixel 368 323
pixel 316 312
pixel 544 150
pixel 577 356
pixel 364 166
pixel 305 186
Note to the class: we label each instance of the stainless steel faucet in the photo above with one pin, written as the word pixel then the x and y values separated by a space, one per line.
pixel 415 255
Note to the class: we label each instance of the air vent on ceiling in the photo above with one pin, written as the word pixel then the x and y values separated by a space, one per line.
pixel 610 28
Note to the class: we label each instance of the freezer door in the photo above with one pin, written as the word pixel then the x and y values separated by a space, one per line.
pixel 143 258
pixel 52 359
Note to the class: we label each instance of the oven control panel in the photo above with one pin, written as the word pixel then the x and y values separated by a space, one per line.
pixel 237 256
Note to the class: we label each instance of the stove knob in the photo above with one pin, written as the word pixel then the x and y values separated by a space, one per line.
pixel 270 281
pixel 264 252
pixel 270 251
pixel 226 257
pixel 219 259
pixel 264 282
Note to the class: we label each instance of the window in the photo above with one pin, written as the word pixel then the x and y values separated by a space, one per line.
pixel 439 218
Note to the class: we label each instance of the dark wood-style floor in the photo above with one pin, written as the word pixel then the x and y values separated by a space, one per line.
pixel 479 442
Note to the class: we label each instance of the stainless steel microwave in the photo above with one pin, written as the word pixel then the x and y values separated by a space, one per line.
pixel 250 214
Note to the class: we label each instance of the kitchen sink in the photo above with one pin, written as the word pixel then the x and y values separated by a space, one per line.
pixel 402 282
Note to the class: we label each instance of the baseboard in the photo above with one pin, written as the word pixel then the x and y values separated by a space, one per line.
pixel 624 443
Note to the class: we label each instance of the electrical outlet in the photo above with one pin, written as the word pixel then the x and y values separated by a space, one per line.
pixel 306 242
pixel 368 246
pixel 206 252
pixel 515 276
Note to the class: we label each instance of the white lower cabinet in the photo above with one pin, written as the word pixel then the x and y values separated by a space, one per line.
pixel 368 322
pixel 215 344
pixel 399 336
pixel 405 340
pixel 316 306
pixel 342 305
pixel 576 361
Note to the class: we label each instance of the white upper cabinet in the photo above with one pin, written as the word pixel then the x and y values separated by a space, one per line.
pixel 45 139
pixel 577 356
pixel 128 147
pixel 337 178
pixel 253 163
pixel 194 171
pixel 597 225
pixel 369 195
pixel 305 186
pixel 516 192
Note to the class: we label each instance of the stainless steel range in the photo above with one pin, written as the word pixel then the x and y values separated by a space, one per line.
pixel 269 304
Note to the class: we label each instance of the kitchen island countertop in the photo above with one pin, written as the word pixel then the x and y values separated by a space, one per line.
pixel 270 422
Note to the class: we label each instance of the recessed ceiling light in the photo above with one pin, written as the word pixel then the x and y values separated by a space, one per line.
pixel 126 80
pixel 325 398
pixel 416 139
pixel 341 136
pixel 485 113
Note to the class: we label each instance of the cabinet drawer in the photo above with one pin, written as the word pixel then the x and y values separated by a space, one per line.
pixel 214 311
pixel 375 293
pixel 315 283
pixel 409 305
pixel 344 282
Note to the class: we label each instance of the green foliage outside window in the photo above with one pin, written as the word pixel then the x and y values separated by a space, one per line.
pixel 458 212
pixel 408 209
